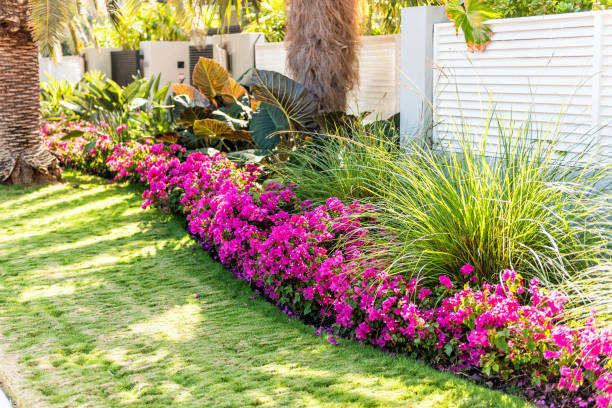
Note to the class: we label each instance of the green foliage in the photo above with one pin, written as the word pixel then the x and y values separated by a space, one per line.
pixel 297 104
pixel 521 8
pixel 142 106
pixel 223 114
pixel 527 207
pixel 269 19
pixel 469 16
pixel 217 115
pixel 383 17
pixel 346 162
pixel 52 93
pixel 152 22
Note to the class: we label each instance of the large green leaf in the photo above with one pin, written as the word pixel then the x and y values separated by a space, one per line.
pixel 187 111
pixel 296 103
pixel 470 15
pixel 219 130
pixel 249 156
pixel 210 77
pixel 267 125
pixel 236 124
pixel 194 95
pixel 232 91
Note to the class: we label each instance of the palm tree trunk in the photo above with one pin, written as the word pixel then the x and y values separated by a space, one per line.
pixel 323 48
pixel 23 158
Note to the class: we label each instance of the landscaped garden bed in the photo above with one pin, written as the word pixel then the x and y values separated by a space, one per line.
pixel 306 259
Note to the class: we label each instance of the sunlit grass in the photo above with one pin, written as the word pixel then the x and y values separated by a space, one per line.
pixel 98 309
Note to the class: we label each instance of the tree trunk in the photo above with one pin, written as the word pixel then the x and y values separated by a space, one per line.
pixel 23 158
pixel 323 49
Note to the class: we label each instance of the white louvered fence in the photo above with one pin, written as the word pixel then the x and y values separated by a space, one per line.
pixel 554 70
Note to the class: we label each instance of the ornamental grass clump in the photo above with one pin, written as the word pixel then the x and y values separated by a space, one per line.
pixel 521 204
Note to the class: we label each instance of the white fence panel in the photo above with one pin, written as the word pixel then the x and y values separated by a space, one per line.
pixel 554 70
pixel 379 61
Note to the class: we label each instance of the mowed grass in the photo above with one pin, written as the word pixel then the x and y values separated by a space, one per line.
pixel 98 309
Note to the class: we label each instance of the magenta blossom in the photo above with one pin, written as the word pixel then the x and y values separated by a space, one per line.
pixel 445 281
pixel 467 269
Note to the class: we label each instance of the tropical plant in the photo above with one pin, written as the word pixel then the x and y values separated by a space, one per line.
pixel 437 208
pixel 153 22
pixel 139 110
pixel 52 93
pixel 269 18
pixel 469 16
pixel 223 115
pixel 347 162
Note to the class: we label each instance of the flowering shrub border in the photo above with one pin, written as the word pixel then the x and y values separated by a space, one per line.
pixel 308 260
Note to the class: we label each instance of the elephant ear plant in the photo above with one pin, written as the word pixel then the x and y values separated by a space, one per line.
pixel 220 113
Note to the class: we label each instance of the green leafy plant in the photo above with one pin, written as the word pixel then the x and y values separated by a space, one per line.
pixel 52 93
pixel 217 112
pixel 469 16
pixel 437 208
pixel 347 161
pixel 152 22
pixel 136 111
pixel 522 8
pixel 220 113
pixel 269 18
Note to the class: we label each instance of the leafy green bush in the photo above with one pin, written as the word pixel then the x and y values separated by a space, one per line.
pixel 154 22
pixel 222 114
pixel 346 163
pixel 522 8
pixel 52 93
pixel 139 110
pixel 269 19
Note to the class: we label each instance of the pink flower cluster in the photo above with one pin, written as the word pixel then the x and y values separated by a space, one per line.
pixel 309 261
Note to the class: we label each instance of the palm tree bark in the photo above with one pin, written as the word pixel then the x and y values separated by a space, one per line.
pixel 323 49
pixel 23 158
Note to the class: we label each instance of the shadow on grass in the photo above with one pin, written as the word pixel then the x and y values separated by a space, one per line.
pixel 99 305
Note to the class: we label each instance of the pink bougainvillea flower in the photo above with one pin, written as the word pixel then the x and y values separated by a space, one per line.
pixel 445 281
pixel 467 269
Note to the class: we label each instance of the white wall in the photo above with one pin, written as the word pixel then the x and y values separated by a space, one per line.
pixel 162 57
pixel 99 59
pixel 556 70
pixel 70 69
pixel 378 71
pixel 241 50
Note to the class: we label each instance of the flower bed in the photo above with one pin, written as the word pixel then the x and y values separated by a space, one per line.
pixel 308 260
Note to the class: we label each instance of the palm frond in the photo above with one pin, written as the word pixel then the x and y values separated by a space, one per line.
pixel 49 20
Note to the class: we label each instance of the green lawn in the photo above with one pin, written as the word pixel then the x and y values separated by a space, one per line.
pixel 98 309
